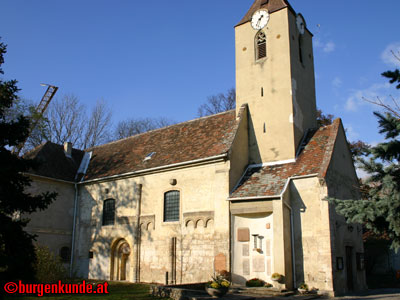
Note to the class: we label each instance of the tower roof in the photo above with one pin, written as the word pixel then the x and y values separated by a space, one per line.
pixel 270 5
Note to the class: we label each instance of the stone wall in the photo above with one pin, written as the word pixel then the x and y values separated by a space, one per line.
pixel 53 226
pixel 201 234
pixel 342 183
pixel 312 243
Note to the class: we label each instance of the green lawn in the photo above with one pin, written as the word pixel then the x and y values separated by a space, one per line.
pixel 117 291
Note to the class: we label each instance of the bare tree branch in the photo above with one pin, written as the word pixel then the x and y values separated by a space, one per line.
pixel 218 103
pixel 66 120
pixel 98 127
pixel 131 127
pixel 395 109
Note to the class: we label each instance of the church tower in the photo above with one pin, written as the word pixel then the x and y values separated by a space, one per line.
pixel 275 77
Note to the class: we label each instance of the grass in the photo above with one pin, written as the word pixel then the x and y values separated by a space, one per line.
pixel 117 291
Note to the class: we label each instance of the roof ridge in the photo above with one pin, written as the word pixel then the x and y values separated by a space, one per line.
pixel 36 148
pixel 158 129
pixel 329 151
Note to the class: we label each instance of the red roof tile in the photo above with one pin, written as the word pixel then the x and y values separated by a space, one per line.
pixel 270 180
pixel 192 140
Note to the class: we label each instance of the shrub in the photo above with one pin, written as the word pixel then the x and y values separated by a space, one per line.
pixel 267 284
pixel 48 267
pixel 255 282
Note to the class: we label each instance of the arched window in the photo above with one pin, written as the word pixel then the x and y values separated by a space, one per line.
pixel 109 212
pixel 261 45
pixel 171 206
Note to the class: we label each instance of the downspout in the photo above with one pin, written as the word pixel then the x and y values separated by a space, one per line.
pixel 73 229
pixel 292 244
pixel 138 234
pixel 79 177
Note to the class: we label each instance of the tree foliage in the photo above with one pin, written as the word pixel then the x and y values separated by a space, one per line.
pixel 16 248
pixel 379 210
pixel 324 120
pixel 394 77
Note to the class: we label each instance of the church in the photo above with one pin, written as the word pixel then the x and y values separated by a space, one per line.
pixel 242 191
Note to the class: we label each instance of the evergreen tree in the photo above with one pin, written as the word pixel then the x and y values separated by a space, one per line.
pixel 16 248
pixel 379 210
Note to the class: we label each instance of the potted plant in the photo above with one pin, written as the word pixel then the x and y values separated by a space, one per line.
pixel 276 277
pixel 303 288
pixel 218 287
pixel 268 285
pixel 255 282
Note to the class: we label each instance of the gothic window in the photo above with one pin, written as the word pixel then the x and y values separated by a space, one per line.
pixel 261 45
pixel 108 212
pixel 171 206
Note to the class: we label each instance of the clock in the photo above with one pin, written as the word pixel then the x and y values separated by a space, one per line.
pixel 301 24
pixel 260 19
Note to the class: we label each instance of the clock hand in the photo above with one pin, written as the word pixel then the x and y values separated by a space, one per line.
pixel 259 20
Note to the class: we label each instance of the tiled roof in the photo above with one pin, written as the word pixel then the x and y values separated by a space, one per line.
pixel 53 163
pixel 270 180
pixel 270 5
pixel 192 140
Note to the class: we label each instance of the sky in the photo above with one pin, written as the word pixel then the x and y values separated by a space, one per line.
pixel 164 58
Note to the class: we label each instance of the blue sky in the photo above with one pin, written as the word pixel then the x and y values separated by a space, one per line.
pixel 164 58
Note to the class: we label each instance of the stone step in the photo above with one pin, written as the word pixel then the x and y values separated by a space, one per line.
pixel 226 297
pixel 262 291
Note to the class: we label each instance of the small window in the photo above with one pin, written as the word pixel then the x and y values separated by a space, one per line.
pixel 261 45
pixel 171 206
pixel 149 156
pixel 301 48
pixel 65 254
pixel 108 212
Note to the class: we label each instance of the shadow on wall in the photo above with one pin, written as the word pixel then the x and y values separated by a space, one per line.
pixel 196 247
pixel 97 239
pixel 254 151
pixel 196 243
pixel 298 208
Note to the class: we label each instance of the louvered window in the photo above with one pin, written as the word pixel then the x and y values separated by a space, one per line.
pixel 108 212
pixel 171 206
pixel 261 45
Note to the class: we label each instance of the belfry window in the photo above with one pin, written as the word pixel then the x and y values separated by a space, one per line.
pixel 171 206
pixel 108 212
pixel 261 45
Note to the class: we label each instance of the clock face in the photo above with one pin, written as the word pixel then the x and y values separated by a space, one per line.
pixel 301 24
pixel 260 19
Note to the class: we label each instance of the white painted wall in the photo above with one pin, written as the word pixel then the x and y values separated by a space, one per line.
pixel 257 224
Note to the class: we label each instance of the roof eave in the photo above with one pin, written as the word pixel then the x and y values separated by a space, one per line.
pixel 196 162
